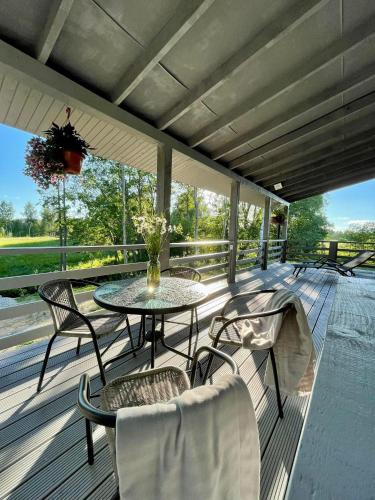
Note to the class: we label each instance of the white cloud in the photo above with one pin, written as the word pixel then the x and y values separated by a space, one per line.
pixel 360 221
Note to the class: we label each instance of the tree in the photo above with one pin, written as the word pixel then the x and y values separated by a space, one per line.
pixel 30 215
pixel 6 216
pixel 47 221
pixel 308 223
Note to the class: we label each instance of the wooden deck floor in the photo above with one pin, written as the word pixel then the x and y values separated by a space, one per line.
pixel 42 439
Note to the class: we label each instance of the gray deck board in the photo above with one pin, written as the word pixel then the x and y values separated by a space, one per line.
pixel 42 440
pixel 336 452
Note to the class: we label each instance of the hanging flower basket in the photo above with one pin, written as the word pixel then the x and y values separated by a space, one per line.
pixel 60 153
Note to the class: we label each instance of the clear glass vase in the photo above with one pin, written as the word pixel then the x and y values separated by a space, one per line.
pixel 153 273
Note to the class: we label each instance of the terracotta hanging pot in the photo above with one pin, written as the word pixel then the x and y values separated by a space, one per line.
pixel 73 162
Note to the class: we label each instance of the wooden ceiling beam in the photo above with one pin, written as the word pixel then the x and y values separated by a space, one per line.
pixel 263 40
pixel 288 81
pixel 343 181
pixel 345 158
pixel 320 146
pixel 328 175
pixel 187 14
pixel 327 120
pixel 58 14
pixel 298 110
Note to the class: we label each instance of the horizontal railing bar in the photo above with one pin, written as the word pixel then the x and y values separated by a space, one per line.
pixel 248 241
pixel 199 256
pixel 68 249
pixel 201 243
pixel 246 261
pixel 37 279
pixel 35 306
pixel 100 248
pixel 212 267
pixel 247 250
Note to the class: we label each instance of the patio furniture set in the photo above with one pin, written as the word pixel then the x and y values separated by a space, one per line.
pixel 179 290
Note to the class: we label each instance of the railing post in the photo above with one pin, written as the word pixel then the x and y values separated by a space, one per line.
pixel 264 255
pixel 265 231
pixel 163 194
pixel 233 230
pixel 332 251
pixel 284 235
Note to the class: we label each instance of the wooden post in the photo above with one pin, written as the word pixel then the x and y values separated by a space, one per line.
pixel 284 234
pixel 265 231
pixel 332 252
pixel 163 194
pixel 233 230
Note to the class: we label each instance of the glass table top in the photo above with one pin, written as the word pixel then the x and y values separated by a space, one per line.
pixel 133 295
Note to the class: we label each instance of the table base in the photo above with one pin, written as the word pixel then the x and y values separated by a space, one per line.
pixel 153 336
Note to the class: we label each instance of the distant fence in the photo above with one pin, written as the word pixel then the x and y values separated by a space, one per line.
pixel 337 250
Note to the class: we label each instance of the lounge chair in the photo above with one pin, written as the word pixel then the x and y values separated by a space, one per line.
pixel 345 269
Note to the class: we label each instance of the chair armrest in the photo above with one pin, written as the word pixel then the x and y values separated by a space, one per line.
pixel 96 415
pixel 215 352
pixel 260 314
pixel 244 294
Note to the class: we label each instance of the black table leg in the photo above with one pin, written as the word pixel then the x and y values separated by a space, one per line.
pixel 141 343
pixel 153 340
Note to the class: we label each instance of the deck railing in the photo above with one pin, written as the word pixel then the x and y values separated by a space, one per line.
pixel 337 250
pixel 210 257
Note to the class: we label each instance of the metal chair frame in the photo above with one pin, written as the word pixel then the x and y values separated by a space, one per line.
pixel 58 331
pixel 108 418
pixel 242 317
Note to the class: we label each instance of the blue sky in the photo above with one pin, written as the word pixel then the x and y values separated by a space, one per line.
pixel 350 204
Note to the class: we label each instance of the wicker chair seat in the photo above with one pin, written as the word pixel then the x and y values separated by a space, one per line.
pixel 103 324
pixel 145 388
pixel 139 389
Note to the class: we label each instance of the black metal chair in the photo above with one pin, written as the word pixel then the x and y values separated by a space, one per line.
pixel 226 331
pixel 138 389
pixel 188 273
pixel 70 322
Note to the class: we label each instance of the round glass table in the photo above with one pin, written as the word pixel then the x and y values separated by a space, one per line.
pixel 132 296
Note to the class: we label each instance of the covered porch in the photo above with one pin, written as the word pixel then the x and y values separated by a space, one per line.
pixel 263 102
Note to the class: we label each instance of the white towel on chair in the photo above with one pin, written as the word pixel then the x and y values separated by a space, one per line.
pixel 290 336
pixel 203 444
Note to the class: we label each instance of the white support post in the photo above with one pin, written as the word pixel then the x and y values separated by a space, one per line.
pixel 284 234
pixel 233 230
pixel 163 193
pixel 265 231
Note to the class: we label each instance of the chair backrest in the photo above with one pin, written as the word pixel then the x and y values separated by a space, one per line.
pixel 59 293
pixel 188 273
pixel 359 259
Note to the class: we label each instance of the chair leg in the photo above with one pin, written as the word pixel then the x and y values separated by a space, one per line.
pixel 274 369
pixel 78 346
pixel 48 351
pixel 99 359
pixel 130 335
pixel 209 364
pixel 90 443
pixel 196 320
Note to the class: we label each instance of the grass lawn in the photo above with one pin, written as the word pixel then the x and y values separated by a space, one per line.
pixel 17 265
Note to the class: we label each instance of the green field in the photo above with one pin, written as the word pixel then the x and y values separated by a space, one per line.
pixel 17 265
